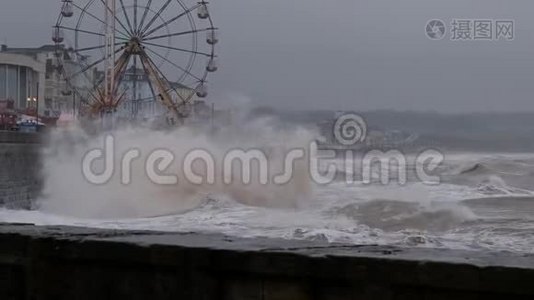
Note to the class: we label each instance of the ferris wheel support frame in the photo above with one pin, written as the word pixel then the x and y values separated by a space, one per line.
pixel 110 97
pixel 115 68
pixel 110 17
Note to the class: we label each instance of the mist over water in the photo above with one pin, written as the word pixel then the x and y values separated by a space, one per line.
pixel 68 192
pixel 484 200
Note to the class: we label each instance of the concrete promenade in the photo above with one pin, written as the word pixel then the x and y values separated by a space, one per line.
pixel 80 263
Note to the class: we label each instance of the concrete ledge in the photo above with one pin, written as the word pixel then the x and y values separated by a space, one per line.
pixel 78 263
pixel 15 137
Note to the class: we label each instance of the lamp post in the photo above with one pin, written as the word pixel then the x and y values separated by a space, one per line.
pixel 36 99
pixel 34 105
pixel 73 105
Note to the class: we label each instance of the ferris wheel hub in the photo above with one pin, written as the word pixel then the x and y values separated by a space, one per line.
pixel 133 46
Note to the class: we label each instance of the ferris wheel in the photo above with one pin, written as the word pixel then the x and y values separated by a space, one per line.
pixel 133 53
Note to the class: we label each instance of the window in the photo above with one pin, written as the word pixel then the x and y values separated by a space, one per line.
pixel 3 82
pixel 23 87
pixel 12 82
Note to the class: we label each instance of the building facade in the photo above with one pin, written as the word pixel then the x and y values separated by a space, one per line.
pixel 20 79
pixel 30 77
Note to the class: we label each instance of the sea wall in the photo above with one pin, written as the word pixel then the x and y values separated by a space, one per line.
pixel 19 168
pixel 76 263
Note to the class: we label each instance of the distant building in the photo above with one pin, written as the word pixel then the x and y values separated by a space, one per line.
pixel 139 96
pixel 20 77
pixel 30 75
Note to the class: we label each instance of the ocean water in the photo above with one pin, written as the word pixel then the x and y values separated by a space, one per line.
pixel 483 202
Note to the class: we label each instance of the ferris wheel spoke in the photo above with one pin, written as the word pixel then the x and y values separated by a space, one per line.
pixel 90 48
pixel 89 92
pixel 135 16
pixel 116 19
pixel 80 30
pixel 95 17
pixel 153 92
pixel 147 9
pixel 170 86
pixel 96 85
pixel 134 85
pixel 121 66
pixel 150 83
pixel 173 64
pixel 158 14
pixel 126 17
pixel 163 89
pixel 82 71
pixel 159 72
pixel 187 11
pixel 179 49
pixel 177 34
pixel 151 87
pixel 97 98
pixel 95 47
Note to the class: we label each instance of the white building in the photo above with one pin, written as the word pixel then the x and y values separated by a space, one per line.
pixel 20 77
pixel 28 75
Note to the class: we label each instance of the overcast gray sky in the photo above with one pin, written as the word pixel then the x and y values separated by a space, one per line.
pixel 348 54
